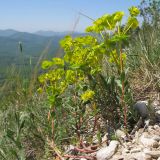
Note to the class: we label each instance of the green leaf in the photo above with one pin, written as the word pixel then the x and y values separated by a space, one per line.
pixel 58 61
pixel 10 134
pixel 46 64
pixel 118 39
pixel 132 22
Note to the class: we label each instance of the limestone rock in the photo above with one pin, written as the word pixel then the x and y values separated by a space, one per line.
pixel 147 157
pixel 136 156
pixel 107 152
pixel 135 150
pixel 154 154
pixel 148 142
pixel 156 138
pixel 120 134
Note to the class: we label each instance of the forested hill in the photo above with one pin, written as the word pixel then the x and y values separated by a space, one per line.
pixel 33 45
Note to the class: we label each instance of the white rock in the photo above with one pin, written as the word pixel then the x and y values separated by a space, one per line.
pixel 154 154
pixel 107 152
pixel 136 156
pixel 156 138
pixel 147 157
pixel 120 134
pixel 117 157
pixel 104 138
pixel 158 112
pixel 135 150
pixel 148 142
pixel 156 127
pixel 155 103
pixel 150 128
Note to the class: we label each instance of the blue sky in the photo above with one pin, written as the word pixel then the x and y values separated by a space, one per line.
pixel 56 15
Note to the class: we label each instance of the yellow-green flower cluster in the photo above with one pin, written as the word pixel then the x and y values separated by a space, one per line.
pixel 87 95
pixel 107 21
pixel 134 11
pixel 132 20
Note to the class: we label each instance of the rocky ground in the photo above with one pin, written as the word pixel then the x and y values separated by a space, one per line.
pixel 142 144
pixel 145 145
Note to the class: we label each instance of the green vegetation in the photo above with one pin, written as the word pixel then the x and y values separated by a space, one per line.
pixel 88 91
pixel 82 69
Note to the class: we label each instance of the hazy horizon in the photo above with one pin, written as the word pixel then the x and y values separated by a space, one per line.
pixel 38 30
pixel 58 15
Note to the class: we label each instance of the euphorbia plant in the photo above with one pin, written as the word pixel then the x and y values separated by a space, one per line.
pixel 83 64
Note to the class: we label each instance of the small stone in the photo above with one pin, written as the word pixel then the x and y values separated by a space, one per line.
pixel 156 127
pixel 158 112
pixel 156 103
pixel 150 129
pixel 136 150
pixel 155 145
pixel 147 157
pixel 117 157
pixel 129 143
pixel 104 138
pixel 137 156
pixel 120 134
pixel 156 138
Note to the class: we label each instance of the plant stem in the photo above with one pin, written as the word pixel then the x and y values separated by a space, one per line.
pixel 123 92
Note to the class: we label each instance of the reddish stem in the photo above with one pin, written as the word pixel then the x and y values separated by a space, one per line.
pixel 86 157
pixel 95 123
pixel 122 97
pixel 85 150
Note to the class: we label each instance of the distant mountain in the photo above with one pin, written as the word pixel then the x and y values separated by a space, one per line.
pixel 33 46
pixel 53 33
pixel 50 33
pixel 33 43
pixel 7 32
